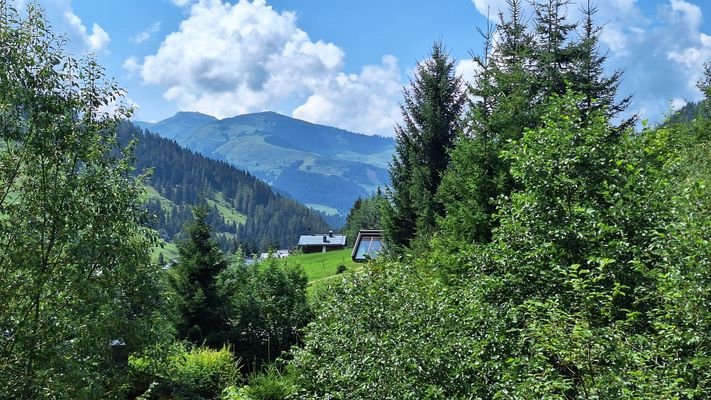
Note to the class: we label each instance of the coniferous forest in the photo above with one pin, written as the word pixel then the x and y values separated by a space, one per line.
pixel 266 220
pixel 542 242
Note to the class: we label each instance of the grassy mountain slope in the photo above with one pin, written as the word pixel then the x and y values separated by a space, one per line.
pixel 323 166
pixel 245 210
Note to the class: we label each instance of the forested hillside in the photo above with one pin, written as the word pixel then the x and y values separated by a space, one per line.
pixel 245 211
pixel 321 166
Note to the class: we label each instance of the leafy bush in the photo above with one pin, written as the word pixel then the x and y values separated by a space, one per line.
pixel 181 372
pixel 270 384
pixel 396 333
pixel 266 307
pixel 596 284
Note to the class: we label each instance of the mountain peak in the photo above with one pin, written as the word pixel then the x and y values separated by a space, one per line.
pixel 195 115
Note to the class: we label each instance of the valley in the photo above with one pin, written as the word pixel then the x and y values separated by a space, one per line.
pixel 324 167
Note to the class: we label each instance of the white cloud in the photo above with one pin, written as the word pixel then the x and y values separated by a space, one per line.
pixel 229 59
pixel 145 35
pixel 112 109
pixel 366 102
pixel 490 8
pixel 97 40
pixel 467 69
pixel 132 65
pixel 691 12
pixel 677 103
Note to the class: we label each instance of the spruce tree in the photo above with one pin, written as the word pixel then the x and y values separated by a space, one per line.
pixel 431 113
pixel 588 74
pixel 199 305
pixel 531 60
pixel 502 106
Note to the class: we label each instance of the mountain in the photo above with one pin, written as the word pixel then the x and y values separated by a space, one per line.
pixel 324 167
pixel 245 210
pixel 177 124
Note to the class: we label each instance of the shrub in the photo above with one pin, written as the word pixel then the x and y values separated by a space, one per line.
pixel 182 372
pixel 271 384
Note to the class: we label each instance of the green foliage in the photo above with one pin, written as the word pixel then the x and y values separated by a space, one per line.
pixel 271 385
pixel 75 272
pixel 183 372
pixel 431 112
pixel 266 308
pixel 595 283
pixel 193 280
pixel 531 60
pixel 181 179
pixel 341 268
pixel 365 214
pixel 394 333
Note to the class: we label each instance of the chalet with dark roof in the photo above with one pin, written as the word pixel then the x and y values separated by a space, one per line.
pixel 321 242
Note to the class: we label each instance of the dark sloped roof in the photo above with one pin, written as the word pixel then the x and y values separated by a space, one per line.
pixel 317 240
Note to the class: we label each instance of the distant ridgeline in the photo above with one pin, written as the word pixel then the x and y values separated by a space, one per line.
pixel 323 167
pixel 245 210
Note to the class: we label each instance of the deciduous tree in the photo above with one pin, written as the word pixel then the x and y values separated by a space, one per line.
pixel 75 272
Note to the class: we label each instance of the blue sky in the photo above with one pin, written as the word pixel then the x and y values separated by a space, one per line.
pixel 344 63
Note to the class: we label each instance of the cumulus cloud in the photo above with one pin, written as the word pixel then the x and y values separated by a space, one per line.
pixel 467 69
pixel 363 102
pixel 97 40
pixel 229 59
pixel 132 65
pixel 677 103
pixel 490 8
pixel 147 34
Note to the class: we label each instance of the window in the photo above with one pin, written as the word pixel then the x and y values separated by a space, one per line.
pixel 367 246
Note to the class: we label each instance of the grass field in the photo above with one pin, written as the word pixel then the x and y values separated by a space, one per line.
pixel 168 249
pixel 322 268
pixel 323 265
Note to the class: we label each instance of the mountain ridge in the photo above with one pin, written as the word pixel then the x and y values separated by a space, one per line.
pixel 244 210
pixel 319 165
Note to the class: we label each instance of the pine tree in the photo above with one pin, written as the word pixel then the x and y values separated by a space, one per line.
pixel 588 74
pixel 431 112
pixel 528 63
pixel 502 107
pixel 200 260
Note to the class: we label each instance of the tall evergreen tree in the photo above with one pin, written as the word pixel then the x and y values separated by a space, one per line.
pixel 588 73
pixel 501 108
pixel 431 114
pixel 554 51
pixel 530 61
pixel 201 317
